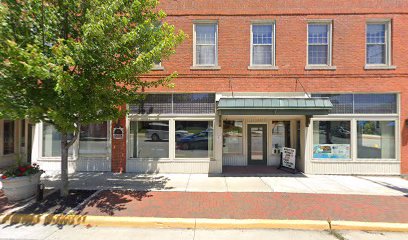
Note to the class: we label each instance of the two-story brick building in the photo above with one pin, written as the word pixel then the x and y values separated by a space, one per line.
pixel 327 78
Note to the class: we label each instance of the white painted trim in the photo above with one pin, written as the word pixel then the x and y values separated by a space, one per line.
pixel 196 66
pixel 271 66
pixel 388 42
pixel 329 65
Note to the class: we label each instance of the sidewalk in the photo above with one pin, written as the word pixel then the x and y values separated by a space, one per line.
pixel 279 206
pixel 299 183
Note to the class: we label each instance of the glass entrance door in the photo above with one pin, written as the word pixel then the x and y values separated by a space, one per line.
pixel 257 144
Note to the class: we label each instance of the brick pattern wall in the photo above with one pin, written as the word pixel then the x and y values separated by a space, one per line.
pixel 234 18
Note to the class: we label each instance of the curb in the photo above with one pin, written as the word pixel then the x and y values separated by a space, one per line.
pixel 198 223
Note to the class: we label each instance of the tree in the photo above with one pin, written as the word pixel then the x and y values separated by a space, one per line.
pixel 76 62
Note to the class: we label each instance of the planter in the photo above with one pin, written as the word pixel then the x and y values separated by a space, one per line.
pixel 19 188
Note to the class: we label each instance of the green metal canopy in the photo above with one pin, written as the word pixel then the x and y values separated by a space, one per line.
pixel 274 106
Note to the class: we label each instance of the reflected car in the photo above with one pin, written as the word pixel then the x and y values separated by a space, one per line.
pixel 341 131
pixel 160 131
pixel 197 141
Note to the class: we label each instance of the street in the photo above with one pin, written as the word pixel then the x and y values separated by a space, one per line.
pixel 38 232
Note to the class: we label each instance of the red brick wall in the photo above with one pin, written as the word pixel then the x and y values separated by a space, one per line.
pixel 119 148
pixel 234 19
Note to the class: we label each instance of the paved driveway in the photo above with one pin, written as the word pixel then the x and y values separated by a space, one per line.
pixel 333 184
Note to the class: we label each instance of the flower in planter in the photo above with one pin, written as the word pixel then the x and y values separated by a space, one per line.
pixel 21 170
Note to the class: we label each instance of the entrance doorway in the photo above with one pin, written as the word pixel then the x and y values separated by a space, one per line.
pixel 257 137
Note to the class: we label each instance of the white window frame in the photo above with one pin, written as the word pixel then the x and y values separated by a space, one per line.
pixel 329 64
pixel 273 45
pixel 205 66
pixel 388 43
pixel 158 66
pixel 41 156
pixel 108 146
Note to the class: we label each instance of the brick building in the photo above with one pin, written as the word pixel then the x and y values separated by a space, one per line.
pixel 326 78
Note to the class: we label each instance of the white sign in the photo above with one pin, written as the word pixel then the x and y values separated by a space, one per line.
pixel 118 133
pixel 289 157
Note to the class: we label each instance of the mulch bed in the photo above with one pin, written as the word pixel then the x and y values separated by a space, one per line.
pixel 54 204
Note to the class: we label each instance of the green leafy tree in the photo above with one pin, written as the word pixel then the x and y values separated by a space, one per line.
pixel 75 62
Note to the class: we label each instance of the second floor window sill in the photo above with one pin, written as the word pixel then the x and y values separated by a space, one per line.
pixel 205 68
pixel 260 67
pixel 379 67
pixel 160 68
pixel 320 67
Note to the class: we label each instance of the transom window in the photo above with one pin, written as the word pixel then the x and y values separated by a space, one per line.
pixel 262 44
pixel 319 43
pixel 205 48
pixel 377 43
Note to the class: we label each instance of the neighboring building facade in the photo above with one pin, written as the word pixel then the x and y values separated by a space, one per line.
pixel 323 78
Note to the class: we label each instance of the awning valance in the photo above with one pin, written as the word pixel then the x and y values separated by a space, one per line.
pixel 274 106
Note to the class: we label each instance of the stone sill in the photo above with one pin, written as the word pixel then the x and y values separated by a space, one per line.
pixel 320 67
pixel 263 68
pixel 214 68
pixel 379 67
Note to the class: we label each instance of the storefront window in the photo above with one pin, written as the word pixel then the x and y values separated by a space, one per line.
pixel 232 137
pixel 149 139
pixel 331 139
pixel 376 139
pixel 51 144
pixel 8 137
pixel 194 139
pixel 93 139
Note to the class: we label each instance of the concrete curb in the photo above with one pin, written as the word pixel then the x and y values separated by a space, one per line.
pixel 198 223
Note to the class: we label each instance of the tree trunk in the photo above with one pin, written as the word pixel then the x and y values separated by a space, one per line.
pixel 64 165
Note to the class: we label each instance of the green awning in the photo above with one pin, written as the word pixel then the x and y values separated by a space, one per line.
pixel 274 106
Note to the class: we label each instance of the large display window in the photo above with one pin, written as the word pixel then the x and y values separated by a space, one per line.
pixel 376 139
pixel 93 139
pixel 331 140
pixel 51 141
pixel 232 137
pixel 149 139
pixel 194 139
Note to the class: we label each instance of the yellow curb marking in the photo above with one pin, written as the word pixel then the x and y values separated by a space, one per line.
pixel 199 223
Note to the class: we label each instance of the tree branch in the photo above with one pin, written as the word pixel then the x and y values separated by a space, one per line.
pixel 76 135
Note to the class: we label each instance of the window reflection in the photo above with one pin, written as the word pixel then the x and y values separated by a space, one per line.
pixel 194 139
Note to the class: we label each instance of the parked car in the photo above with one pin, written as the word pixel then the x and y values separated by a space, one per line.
pixel 195 141
pixel 160 131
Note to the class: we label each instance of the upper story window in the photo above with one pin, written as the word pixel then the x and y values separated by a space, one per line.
pixel 262 44
pixel 205 44
pixel 378 45
pixel 319 43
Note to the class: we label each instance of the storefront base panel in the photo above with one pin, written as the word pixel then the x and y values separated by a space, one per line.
pixel 154 166
pixel 52 167
pixel 97 164
pixel 355 168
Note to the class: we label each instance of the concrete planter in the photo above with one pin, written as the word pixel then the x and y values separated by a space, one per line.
pixel 19 188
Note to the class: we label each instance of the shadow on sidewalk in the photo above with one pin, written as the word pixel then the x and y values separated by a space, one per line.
pixel 111 201
pixel 390 186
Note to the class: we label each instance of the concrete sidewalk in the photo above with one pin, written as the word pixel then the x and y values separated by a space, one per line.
pixel 299 183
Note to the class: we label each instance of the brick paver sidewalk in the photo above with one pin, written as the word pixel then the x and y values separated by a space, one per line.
pixel 249 206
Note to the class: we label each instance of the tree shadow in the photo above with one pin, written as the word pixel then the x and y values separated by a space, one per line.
pixel 388 185
pixel 112 201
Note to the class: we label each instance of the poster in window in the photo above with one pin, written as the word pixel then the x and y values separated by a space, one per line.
pixel 327 151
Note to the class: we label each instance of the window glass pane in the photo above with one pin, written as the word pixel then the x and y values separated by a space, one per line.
pixel 262 54
pixel 51 145
pixel 8 137
pixel 331 139
pixel 342 103
pixel 317 54
pixel 93 139
pixel 375 103
pixel 232 137
pixel 262 34
pixel 205 33
pixel 194 139
pixel 205 55
pixel 376 139
pixel 153 104
pixel 318 33
pixel 195 103
pixel 376 33
pixel 149 139
pixel 376 54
